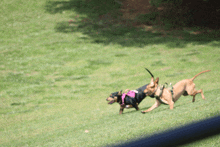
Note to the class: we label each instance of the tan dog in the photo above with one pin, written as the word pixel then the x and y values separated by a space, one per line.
pixel 164 95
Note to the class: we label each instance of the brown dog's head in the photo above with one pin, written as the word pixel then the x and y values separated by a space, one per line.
pixel 114 97
pixel 150 88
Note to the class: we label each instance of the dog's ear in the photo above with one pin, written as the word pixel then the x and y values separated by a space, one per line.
pixel 156 81
pixel 120 92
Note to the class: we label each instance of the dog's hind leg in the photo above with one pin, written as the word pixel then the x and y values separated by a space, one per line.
pixel 195 92
pixel 136 107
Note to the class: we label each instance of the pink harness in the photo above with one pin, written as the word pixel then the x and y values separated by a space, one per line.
pixel 130 93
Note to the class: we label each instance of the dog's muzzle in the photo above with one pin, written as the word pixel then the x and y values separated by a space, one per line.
pixel 146 93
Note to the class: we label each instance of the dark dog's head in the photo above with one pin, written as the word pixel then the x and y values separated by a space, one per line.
pixel 114 97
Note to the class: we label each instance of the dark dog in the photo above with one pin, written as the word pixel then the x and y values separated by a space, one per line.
pixel 128 102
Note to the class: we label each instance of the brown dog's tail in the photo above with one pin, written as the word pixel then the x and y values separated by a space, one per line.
pixel 199 74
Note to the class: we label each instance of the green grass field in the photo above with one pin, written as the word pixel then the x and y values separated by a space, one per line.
pixel 55 76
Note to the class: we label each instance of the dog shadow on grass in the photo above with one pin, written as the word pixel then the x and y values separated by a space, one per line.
pixel 161 108
pixel 142 109
pixel 102 22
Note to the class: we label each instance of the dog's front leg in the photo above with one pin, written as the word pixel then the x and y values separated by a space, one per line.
pixel 171 103
pixel 155 105
pixel 121 109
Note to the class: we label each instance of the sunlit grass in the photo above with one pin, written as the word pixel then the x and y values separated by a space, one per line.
pixel 54 82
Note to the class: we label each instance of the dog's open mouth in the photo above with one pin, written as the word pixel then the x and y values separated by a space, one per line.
pixel 111 102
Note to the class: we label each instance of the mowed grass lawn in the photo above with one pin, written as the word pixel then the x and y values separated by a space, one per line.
pixel 55 76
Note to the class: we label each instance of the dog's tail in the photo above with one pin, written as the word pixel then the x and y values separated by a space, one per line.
pixel 199 74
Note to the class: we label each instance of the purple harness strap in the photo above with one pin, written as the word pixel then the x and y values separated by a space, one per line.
pixel 130 93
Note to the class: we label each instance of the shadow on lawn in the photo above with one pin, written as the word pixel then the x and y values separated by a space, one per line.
pixel 101 22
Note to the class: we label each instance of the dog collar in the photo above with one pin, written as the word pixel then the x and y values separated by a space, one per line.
pixel 172 93
pixel 155 90
pixel 161 91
